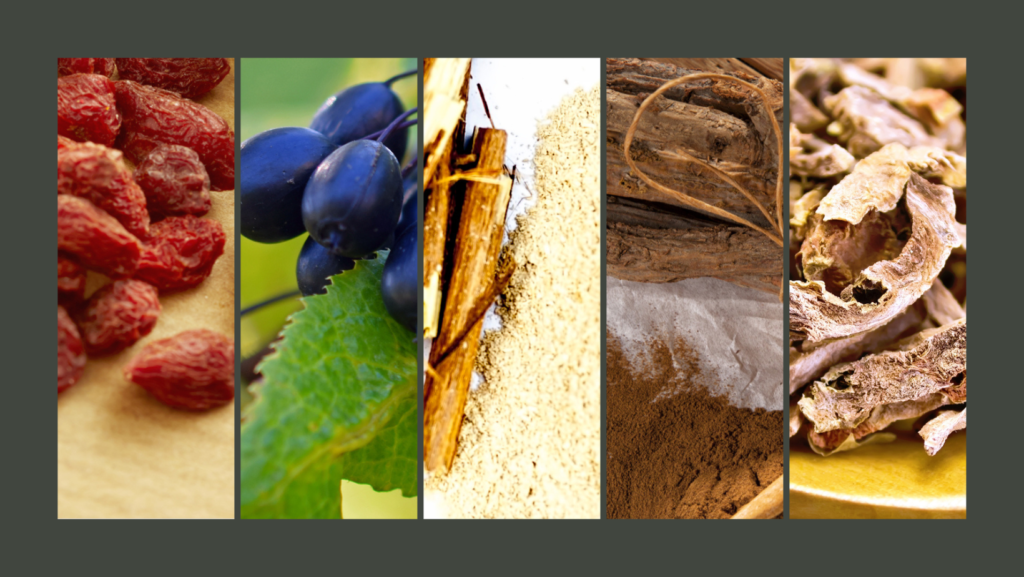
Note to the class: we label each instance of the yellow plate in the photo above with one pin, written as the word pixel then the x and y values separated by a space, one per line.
pixel 896 480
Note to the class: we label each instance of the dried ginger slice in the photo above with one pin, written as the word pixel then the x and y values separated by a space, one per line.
pixel 884 289
pixel 936 431
pixel 926 363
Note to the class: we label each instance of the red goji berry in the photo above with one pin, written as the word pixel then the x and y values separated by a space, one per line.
pixel 99 174
pixel 181 252
pixel 175 181
pixel 95 239
pixel 118 315
pixel 188 77
pixel 70 352
pixel 153 116
pixel 194 370
pixel 70 281
pixel 86 109
pixel 104 66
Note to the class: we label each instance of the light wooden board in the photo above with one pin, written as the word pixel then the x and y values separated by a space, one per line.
pixel 121 453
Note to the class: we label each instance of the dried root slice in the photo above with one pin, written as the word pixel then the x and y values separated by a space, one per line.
pixel 884 289
pixel 935 109
pixel 926 363
pixel 809 363
pixel 866 122
pixel 878 181
pixel 937 430
pixel 813 157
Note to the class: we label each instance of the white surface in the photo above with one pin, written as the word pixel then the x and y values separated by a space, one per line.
pixel 736 331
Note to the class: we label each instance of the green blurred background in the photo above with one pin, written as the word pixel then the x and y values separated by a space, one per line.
pixel 279 92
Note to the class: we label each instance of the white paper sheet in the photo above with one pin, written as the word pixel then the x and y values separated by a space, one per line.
pixel 736 331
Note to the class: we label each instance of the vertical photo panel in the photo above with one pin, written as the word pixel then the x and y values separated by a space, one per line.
pixel 145 288
pixel 512 288
pixel 330 288
pixel 878 296
pixel 694 289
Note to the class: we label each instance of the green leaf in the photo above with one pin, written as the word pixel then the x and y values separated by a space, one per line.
pixel 338 400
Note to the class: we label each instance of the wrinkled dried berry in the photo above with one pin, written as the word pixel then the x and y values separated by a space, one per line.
pixel 66 66
pixel 194 370
pixel 118 315
pixel 86 109
pixel 98 173
pixel 70 352
pixel 70 281
pixel 181 252
pixel 153 116
pixel 175 181
pixel 95 239
pixel 188 77
pixel 63 142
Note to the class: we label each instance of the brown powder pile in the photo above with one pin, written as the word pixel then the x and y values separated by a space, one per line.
pixel 690 456
pixel 530 443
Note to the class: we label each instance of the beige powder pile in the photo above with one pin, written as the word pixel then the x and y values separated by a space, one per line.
pixel 530 443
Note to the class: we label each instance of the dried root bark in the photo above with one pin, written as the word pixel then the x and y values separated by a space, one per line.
pixel 871 232
pixel 883 290
pixel 926 363
pixel 654 236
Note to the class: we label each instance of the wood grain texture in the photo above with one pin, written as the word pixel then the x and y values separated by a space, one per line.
pixel 651 236
pixel 473 265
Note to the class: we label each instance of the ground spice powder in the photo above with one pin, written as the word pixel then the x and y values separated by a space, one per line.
pixel 690 455
pixel 530 442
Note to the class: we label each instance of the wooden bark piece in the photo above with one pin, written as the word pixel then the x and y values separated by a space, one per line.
pixel 473 265
pixel 446 88
pixel 651 236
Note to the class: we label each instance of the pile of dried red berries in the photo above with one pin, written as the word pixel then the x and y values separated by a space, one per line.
pixel 340 181
pixel 141 229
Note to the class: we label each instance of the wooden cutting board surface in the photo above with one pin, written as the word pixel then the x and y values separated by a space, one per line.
pixel 896 480
pixel 121 453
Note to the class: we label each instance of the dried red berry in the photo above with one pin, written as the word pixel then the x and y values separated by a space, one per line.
pixel 118 315
pixel 63 142
pixel 70 352
pixel 153 116
pixel 188 77
pixel 175 181
pixel 104 66
pixel 70 281
pixel 99 174
pixel 86 109
pixel 95 239
pixel 181 252
pixel 194 370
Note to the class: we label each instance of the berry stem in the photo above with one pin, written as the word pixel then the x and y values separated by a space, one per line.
pixel 413 163
pixel 394 125
pixel 271 301
pixel 401 126
pixel 391 80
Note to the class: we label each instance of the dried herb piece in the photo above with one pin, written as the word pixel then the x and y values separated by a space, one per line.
pixel 884 289
pixel 813 157
pixel 937 430
pixel 865 122
pixel 926 363
pixel 809 363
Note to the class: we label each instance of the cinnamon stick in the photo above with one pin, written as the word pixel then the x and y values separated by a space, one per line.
pixel 473 266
